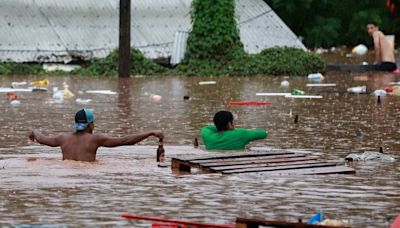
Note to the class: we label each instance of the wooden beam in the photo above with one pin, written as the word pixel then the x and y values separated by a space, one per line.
pixel 124 50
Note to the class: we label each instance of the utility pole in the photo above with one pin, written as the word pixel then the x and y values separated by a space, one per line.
pixel 124 50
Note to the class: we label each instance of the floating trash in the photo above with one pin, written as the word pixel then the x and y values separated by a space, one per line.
pixel 304 96
pixel 369 155
pixel 273 94
pixel 41 83
pixel 12 90
pixel 106 92
pixel 321 85
pixel 16 84
pixel 155 98
pixel 297 92
pixel 207 82
pixel 15 102
pixel 315 76
pixel 66 92
pixel 11 96
pixel 357 89
pixel 83 101
pixel 380 92
pixel 39 89
pixel 285 83
pixel 59 67
pixel 58 95
pixel 360 49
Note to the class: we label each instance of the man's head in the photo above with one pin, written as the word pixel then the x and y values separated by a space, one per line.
pixel 84 119
pixel 372 27
pixel 223 120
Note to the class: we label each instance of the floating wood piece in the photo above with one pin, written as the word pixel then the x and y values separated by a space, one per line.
pixel 273 162
pixel 254 223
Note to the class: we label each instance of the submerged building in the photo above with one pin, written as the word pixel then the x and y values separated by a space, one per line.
pixel 62 31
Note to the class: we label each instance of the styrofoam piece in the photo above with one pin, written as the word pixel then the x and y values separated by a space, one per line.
pixel 10 90
pixel 320 84
pixel 304 96
pixel 273 94
pixel 106 92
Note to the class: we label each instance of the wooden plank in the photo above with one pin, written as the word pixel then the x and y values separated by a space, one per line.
pixel 247 223
pixel 264 169
pixel 238 155
pixel 205 161
pixel 261 161
pixel 221 168
pixel 309 171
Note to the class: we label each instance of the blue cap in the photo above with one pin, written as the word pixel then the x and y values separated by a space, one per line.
pixel 82 118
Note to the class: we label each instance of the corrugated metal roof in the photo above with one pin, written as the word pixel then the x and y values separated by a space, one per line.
pixel 54 31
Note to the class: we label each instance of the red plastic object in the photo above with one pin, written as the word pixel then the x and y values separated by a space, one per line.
pixel 389 89
pixel 396 223
pixel 249 103
pixel 11 96
pixel 177 222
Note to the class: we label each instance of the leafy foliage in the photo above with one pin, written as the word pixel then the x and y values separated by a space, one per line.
pixel 335 22
pixel 214 34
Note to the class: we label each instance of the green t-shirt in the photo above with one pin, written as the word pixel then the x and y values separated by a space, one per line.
pixel 231 139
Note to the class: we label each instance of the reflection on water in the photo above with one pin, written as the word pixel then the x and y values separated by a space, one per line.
pixel 126 180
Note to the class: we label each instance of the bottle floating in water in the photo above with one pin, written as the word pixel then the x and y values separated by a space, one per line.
pixel 161 154
pixel 357 89
pixel 297 92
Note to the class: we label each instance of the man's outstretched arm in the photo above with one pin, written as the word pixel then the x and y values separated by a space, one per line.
pixel 107 141
pixel 46 140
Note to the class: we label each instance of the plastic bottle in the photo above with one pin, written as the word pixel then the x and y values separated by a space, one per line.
pixel 160 153
pixel 315 76
pixel 297 92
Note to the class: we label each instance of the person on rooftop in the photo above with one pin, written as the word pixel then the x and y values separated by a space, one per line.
pixel 384 50
pixel 83 144
pixel 224 135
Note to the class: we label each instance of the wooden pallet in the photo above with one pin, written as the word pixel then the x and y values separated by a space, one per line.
pixel 271 162
pixel 255 223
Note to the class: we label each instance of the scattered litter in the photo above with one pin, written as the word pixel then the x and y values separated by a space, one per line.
pixel 297 92
pixel 316 76
pixel 11 90
pixel 11 96
pixel 155 97
pixel 16 84
pixel 395 83
pixel 60 67
pixel 66 92
pixel 249 103
pixel 273 94
pixel 318 217
pixel 15 102
pixel 107 92
pixel 58 95
pixel 369 155
pixel 360 49
pixel 207 82
pixel 40 83
pixel 321 84
pixel 304 96
pixel 380 92
pixel 357 89
pixel 364 63
pixel 39 89
pixel 285 83
pixel 83 101
pixel 390 88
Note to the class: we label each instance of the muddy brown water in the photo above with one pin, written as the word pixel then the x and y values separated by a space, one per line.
pixel 127 180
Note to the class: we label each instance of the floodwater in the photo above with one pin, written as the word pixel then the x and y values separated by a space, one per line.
pixel 48 191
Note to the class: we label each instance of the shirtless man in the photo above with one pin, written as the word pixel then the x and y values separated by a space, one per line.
pixel 82 145
pixel 384 53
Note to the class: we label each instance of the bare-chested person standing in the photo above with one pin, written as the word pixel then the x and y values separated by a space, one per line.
pixel 82 145
pixel 384 53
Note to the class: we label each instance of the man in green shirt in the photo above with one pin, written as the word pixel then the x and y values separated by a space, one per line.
pixel 224 136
